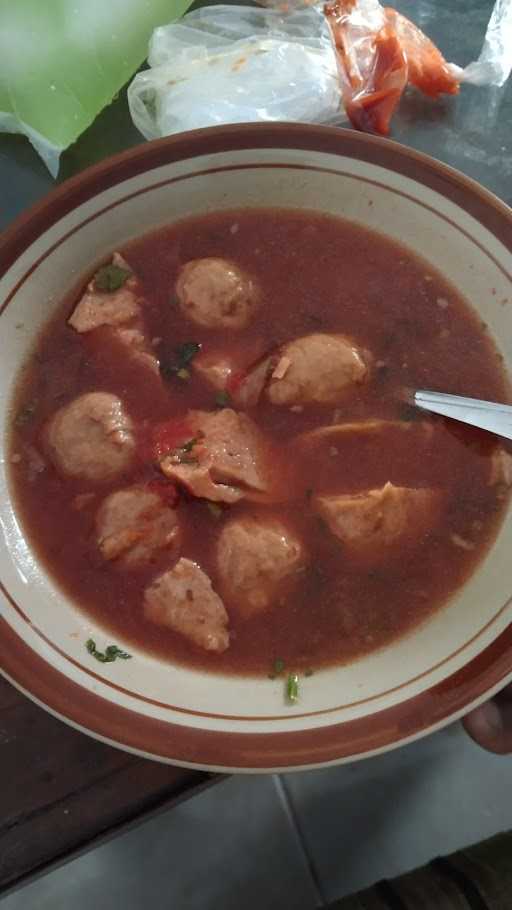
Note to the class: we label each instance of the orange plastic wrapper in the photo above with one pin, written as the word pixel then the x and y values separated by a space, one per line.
pixel 379 52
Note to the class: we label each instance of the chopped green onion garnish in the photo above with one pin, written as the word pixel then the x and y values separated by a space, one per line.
pixel 110 278
pixel 188 446
pixel 111 653
pixel 292 687
pixel 184 354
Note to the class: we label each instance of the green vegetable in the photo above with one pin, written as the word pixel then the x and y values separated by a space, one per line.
pixel 61 63
pixel 188 446
pixel 177 367
pixel 223 399
pixel 182 455
pixel 186 352
pixel 110 278
pixel 111 653
pixel 292 687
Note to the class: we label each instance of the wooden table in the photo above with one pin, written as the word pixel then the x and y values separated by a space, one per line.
pixel 62 793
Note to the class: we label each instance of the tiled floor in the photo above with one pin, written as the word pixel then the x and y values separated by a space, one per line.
pixel 293 842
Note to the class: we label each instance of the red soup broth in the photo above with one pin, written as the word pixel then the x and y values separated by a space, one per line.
pixel 315 273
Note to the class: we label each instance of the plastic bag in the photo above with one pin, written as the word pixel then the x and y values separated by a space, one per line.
pixel 62 62
pixel 233 64
pixel 230 64
pixel 495 61
pixel 379 52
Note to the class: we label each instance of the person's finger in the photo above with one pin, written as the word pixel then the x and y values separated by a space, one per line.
pixel 490 725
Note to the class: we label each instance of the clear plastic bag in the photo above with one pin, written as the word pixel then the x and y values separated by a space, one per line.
pixel 495 61
pixel 379 52
pixel 233 64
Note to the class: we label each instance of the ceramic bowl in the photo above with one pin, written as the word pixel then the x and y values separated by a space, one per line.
pixel 456 659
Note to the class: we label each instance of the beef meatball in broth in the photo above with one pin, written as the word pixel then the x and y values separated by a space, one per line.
pixel 317 369
pixel 258 560
pixel 229 458
pixel 377 525
pixel 183 600
pixel 91 438
pixel 134 525
pixel 216 294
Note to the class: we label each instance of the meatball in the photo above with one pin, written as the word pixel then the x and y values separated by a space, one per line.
pixel 377 524
pixel 183 600
pixel 258 559
pixel 317 369
pixel 99 307
pixel 134 524
pixel 91 438
pixel 226 460
pixel 216 294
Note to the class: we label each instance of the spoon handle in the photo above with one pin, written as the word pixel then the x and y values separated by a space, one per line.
pixel 488 415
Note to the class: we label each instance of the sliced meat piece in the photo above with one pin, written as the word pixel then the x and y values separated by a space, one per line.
pixel 224 459
pixel 91 438
pixel 216 294
pixel 376 524
pixel 183 600
pixel 216 369
pixel 234 445
pixel 258 560
pixel 337 432
pixel 134 525
pixel 118 312
pixel 103 307
pixel 322 369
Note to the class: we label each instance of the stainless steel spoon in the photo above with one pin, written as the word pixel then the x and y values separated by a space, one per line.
pixel 496 418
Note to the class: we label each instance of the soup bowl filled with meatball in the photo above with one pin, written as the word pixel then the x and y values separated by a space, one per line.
pixel 229 540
